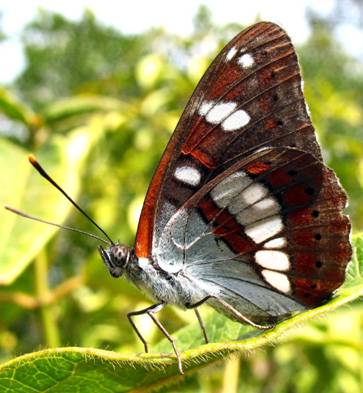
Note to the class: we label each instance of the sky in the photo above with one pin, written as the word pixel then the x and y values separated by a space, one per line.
pixel 136 16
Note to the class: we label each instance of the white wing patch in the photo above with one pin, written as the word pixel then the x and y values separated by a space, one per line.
pixel 236 120
pixel 248 202
pixel 276 260
pixel 229 188
pixel 231 53
pixel 279 242
pixel 188 175
pixel 224 113
pixel 267 204
pixel 220 111
pixel 264 229
pixel 205 107
pixel 277 280
pixel 246 60
pixel 254 193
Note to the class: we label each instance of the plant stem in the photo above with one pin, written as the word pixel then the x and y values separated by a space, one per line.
pixel 49 323
pixel 231 375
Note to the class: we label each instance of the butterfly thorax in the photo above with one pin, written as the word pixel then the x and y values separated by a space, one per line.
pixel 162 286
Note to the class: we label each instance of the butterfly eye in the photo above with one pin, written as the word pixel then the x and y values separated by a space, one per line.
pixel 275 97
pixel 280 123
pixel 317 236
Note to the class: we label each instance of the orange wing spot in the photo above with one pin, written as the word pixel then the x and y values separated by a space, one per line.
pixel 271 124
pixel 203 158
pixel 257 168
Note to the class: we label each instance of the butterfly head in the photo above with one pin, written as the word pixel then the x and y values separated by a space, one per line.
pixel 116 258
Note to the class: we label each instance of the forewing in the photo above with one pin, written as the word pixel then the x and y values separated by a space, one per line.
pixel 250 97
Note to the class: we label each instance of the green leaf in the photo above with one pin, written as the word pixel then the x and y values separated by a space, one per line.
pixel 89 370
pixel 81 105
pixel 354 274
pixel 22 187
pixel 149 70
pixel 15 110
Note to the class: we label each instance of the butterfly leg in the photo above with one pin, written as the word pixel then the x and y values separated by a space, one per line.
pixel 202 326
pixel 199 317
pixel 130 315
pixel 240 317
pixel 151 312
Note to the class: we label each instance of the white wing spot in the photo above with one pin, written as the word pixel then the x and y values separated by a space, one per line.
pixel 236 120
pixel 279 242
pixel 205 107
pixel 231 53
pixel 188 175
pixel 276 260
pixel 219 112
pixel 249 213
pixel 254 193
pixel 228 188
pixel 246 60
pixel 269 204
pixel 277 280
pixel 264 229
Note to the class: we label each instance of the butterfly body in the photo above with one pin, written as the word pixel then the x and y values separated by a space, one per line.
pixel 182 288
pixel 169 288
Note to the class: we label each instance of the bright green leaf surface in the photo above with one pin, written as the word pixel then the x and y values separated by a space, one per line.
pixel 24 189
pixel 81 105
pixel 355 268
pixel 15 110
pixel 90 370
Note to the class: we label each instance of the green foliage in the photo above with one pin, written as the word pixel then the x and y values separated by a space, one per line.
pixel 334 88
pixel 63 369
pixel 97 108
pixel 22 241
pixel 66 58
pixel 15 110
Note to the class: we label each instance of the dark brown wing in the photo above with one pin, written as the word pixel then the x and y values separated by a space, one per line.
pixel 250 97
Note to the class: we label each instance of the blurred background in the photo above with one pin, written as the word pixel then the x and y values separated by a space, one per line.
pixel 95 89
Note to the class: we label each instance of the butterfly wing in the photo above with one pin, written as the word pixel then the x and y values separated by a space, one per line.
pixel 267 235
pixel 268 256
pixel 249 97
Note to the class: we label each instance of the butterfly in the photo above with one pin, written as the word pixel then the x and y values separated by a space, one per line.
pixel 242 213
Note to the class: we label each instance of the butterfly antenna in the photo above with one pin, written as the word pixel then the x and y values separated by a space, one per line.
pixel 43 173
pixel 22 214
